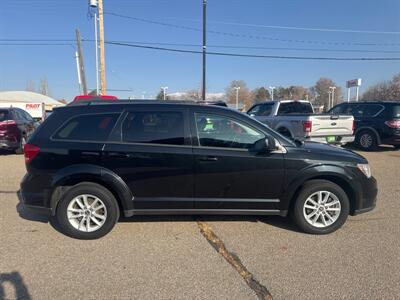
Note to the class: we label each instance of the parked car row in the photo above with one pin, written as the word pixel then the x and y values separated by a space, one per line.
pixel 297 121
pixel 376 122
pixel 87 164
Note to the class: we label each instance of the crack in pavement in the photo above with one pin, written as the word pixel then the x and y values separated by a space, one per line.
pixel 8 192
pixel 260 290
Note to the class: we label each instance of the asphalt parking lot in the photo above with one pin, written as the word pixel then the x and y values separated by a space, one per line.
pixel 171 257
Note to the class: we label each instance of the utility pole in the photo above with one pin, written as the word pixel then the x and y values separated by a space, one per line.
pixel 80 61
pixel 237 88
pixel 204 50
pixel 329 99
pixel 102 50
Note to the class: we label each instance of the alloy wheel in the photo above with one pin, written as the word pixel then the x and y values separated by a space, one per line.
pixel 322 209
pixel 86 213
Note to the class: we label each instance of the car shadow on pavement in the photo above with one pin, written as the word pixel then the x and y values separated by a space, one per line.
pixel 381 148
pixel 276 221
pixel 15 279
pixel 6 152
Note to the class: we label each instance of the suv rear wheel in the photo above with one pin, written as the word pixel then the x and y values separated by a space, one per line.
pixel 321 207
pixel 366 140
pixel 87 211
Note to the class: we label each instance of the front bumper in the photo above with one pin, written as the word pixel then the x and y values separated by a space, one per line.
pixel 340 140
pixel 367 195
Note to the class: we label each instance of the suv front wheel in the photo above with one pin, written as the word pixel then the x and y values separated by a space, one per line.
pixel 87 211
pixel 321 207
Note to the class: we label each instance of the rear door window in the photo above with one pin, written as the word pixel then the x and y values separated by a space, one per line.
pixel 154 127
pixel 95 127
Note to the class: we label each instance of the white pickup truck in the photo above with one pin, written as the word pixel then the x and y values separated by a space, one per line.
pixel 295 119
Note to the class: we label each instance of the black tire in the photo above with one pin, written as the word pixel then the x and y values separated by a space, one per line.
pixel 310 188
pixel 366 140
pixel 108 199
pixel 22 142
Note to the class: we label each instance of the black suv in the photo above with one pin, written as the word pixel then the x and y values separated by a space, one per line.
pixel 376 122
pixel 88 164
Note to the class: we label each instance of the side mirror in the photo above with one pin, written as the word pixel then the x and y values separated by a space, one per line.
pixel 271 143
pixel 265 145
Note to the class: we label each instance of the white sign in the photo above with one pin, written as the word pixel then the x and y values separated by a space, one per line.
pixel 35 109
pixel 353 83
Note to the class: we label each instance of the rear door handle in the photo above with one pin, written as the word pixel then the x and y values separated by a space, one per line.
pixel 208 158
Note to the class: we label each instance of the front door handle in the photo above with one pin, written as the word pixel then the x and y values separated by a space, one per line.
pixel 208 158
pixel 118 155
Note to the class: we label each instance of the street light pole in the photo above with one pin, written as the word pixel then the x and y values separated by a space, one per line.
pixel 237 88
pixel 332 88
pixel 272 88
pixel 164 88
pixel 204 50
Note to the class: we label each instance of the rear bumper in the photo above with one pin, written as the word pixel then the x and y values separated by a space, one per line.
pixel 340 140
pixel 392 140
pixel 7 144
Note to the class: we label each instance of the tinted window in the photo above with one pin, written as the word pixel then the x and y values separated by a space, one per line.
pixel 286 108
pixel 396 111
pixel 95 127
pixel 262 109
pixel 4 115
pixel 154 128
pixel 221 131
pixel 370 110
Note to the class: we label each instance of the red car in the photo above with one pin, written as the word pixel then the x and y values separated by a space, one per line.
pixel 90 97
pixel 16 125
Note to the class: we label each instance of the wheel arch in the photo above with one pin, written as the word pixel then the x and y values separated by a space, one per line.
pixel 342 180
pixel 75 174
pixel 282 127
pixel 368 128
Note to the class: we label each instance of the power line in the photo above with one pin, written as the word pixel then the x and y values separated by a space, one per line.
pixel 300 28
pixel 49 42
pixel 259 56
pixel 252 36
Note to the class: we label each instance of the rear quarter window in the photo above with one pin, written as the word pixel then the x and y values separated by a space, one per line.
pixel 396 111
pixel 95 127
pixel 4 115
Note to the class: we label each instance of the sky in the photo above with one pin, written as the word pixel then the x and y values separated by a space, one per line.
pixel 340 29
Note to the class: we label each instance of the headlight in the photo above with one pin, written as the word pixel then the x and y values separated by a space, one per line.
pixel 365 169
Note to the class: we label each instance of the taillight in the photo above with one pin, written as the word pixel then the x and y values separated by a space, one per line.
pixel 7 124
pixel 393 124
pixel 307 126
pixel 354 126
pixel 30 151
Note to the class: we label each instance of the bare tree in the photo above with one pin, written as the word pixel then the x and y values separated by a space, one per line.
pixel 245 96
pixel 44 87
pixel 385 90
pixel 322 89
pixel 260 95
pixel 30 86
